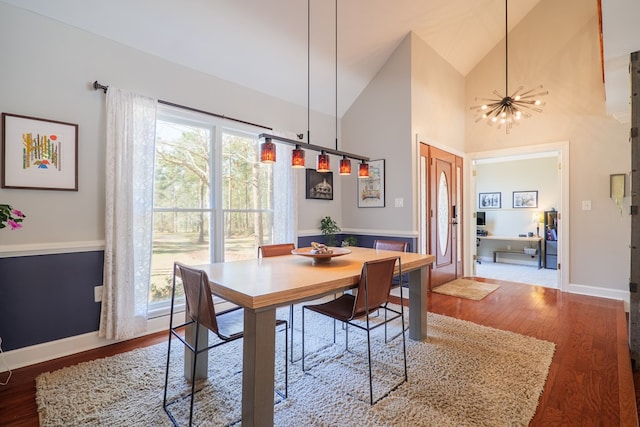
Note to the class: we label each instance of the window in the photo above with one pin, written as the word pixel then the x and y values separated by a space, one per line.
pixel 213 199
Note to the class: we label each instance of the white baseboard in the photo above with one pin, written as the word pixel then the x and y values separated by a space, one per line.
pixel 64 347
pixel 595 291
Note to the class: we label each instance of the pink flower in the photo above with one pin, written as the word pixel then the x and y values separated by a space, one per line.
pixel 14 225
pixel 17 213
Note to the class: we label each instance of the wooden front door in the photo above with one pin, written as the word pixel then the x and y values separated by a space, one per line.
pixel 444 210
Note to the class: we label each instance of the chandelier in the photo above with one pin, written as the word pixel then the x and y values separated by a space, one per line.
pixel 507 110
pixel 268 148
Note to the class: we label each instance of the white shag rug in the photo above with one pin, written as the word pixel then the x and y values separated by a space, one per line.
pixel 463 375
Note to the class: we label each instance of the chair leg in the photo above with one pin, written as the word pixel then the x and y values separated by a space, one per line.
pixel 369 354
pixel 286 362
pixel 291 325
pixel 303 339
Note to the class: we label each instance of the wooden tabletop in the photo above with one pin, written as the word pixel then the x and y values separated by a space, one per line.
pixel 276 281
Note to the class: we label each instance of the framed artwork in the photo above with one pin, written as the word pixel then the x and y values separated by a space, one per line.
pixel 371 189
pixel 490 200
pixel 39 154
pixel 319 185
pixel 525 199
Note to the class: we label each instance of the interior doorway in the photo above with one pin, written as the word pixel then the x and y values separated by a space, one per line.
pixel 499 259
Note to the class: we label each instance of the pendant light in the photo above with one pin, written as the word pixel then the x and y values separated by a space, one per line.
pixel 363 170
pixel 345 166
pixel 323 162
pixel 297 157
pixel 345 163
pixel 508 110
pixel 267 151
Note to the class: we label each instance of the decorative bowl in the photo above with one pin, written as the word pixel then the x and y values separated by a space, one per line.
pixel 320 258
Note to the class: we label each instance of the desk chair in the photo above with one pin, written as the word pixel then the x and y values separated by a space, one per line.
pixel 227 326
pixel 280 249
pixel 372 295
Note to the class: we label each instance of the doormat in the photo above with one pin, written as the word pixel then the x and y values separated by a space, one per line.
pixel 466 288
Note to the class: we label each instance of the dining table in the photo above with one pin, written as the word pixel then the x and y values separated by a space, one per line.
pixel 264 284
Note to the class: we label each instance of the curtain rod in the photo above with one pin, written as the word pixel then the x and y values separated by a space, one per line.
pixel 98 86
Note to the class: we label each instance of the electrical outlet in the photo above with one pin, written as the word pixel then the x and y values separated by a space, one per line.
pixel 97 293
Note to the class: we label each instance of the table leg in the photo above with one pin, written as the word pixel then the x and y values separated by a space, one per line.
pixel 418 291
pixel 258 370
pixel 203 341
pixel 539 254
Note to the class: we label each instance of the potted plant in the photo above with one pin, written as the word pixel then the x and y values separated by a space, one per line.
pixel 350 241
pixel 329 228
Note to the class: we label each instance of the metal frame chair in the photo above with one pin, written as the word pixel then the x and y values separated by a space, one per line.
pixel 227 325
pixel 280 249
pixel 373 294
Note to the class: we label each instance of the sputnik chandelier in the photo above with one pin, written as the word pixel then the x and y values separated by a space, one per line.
pixel 507 110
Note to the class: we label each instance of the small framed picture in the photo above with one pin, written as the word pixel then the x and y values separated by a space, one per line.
pixel 319 185
pixel 525 199
pixel 490 200
pixel 39 154
pixel 371 189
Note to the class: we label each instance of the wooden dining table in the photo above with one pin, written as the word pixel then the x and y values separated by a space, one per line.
pixel 264 284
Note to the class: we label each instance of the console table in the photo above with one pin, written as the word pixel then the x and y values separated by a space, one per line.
pixel 536 239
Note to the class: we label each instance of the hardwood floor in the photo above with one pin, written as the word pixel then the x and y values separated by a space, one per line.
pixel 590 381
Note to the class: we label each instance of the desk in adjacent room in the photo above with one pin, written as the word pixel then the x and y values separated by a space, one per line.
pixel 536 239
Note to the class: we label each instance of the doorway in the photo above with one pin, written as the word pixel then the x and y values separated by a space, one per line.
pixel 441 175
pixel 505 172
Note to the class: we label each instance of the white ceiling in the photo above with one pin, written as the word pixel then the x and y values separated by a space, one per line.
pixel 263 44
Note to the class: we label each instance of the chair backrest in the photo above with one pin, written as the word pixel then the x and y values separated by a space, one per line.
pixel 391 245
pixel 374 285
pixel 197 295
pixel 279 249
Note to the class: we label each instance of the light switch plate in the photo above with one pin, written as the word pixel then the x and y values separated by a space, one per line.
pixel 586 205
pixel 399 202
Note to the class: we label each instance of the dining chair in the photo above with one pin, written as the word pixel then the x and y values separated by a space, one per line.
pixel 226 325
pixel 392 245
pixel 279 249
pixel 373 294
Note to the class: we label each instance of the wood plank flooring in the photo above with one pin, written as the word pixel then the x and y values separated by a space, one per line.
pixel 590 381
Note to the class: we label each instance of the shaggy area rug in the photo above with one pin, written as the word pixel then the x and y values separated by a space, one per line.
pixel 463 375
pixel 466 288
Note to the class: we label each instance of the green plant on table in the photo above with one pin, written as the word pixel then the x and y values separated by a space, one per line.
pixel 329 228
pixel 350 241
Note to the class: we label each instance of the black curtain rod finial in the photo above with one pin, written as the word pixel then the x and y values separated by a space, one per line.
pixel 98 86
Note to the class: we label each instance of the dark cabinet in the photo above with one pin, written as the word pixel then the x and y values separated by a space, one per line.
pixel 551 240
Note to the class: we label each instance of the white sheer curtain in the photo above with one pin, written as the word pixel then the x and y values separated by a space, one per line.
pixel 130 148
pixel 285 197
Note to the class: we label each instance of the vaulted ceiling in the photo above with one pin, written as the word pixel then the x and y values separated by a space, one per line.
pixel 276 47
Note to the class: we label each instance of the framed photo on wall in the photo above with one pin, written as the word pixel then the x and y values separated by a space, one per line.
pixel 319 185
pixel 489 200
pixel 39 154
pixel 371 189
pixel 525 199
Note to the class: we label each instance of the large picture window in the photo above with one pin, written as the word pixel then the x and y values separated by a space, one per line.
pixel 213 199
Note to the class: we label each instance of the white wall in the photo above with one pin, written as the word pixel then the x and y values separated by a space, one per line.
pixel 379 123
pixel 422 95
pixel 505 177
pixel 558 45
pixel 47 71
